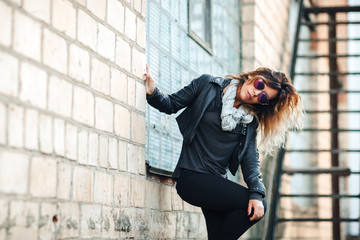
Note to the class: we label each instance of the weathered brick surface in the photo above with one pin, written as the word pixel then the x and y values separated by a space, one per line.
pixel 44 184
pixel 103 188
pixel 69 220
pixel 33 85
pixel 3 116
pixel 25 217
pixel 9 84
pixel 59 137
pixel 79 64
pixel 72 126
pixel 90 222
pixel 60 89
pixel 5 25
pixel 13 165
pixel 27 36
pixel 55 51
pixel 38 8
pixel 64 17
pixel 64 175
pixel 45 133
pixel 4 206
pixel 16 129
pixel 31 129
pixel 115 15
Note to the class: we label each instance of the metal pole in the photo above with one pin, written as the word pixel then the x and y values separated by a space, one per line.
pixel 275 200
pixel 334 125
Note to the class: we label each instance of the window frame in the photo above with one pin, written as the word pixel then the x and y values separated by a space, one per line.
pixel 207 46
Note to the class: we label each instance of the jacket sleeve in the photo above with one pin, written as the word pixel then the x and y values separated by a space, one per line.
pixel 250 167
pixel 172 103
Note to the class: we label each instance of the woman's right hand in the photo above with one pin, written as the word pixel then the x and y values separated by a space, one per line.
pixel 149 82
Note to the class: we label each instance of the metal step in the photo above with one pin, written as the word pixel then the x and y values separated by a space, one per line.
pixel 326 73
pixel 329 39
pixel 331 91
pixel 329 23
pixel 329 56
pixel 318 219
pixel 343 9
pixel 324 150
pixel 331 111
pixel 334 170
pixel 321 195
pixel 328 130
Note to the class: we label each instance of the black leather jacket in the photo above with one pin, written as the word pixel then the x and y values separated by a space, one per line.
pixel 196 97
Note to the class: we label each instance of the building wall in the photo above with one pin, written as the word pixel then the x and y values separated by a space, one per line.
pixel 72 119
pixel 72 126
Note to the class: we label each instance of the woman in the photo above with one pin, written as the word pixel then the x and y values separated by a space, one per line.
pixel 219 127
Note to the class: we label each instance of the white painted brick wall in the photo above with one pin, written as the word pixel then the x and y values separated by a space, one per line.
pixel 45 133
pixel 122 160
pixel 64 173
pixel 79 64
pixel 69 218
pixel 27 36
pixel 106 42
pixel 33 85
pixel 59 137
pixel 8 74
pixel 5 24
pixel 104 115
pixel 31 129
pixel 72 124
pixel 122 121
pixel 44 184
pixel 70 141
pixel 103 151
pixel 118 85
pixel 90 222
pixel 113 153
pixel 103 188
pixel 115 15
pixel 87 30
pixel 60 89
pixel 97 7
pixel 100 76
pixel 26 217
pixel 64 17
pixel 16 129
pixel 38 8
pixel 123 54
pixel 83 147
pixel 84 103
pixel 3 121
pixel 130 24
pixel 93 149
pixel 13 165
pixel 55 51
pixel 82 190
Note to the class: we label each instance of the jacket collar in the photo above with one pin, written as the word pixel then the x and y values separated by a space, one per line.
pixel 222 82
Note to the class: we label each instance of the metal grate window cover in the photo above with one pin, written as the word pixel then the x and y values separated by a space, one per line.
pixel 175 59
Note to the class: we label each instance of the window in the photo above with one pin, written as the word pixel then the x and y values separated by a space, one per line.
pixel 175 57
pixel 200 22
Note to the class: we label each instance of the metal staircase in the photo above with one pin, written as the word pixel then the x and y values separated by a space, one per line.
pixel 336 163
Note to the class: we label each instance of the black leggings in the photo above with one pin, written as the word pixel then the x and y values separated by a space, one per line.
pixel 223 202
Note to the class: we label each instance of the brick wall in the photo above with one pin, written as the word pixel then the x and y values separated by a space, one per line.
pixel 265 36
pixel 72 126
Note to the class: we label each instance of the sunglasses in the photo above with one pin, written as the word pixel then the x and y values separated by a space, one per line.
pixel 263 98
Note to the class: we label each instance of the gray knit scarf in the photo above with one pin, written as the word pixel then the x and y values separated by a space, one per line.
pixel 231 116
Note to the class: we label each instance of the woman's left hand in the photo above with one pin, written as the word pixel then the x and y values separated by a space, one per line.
pixel 258 209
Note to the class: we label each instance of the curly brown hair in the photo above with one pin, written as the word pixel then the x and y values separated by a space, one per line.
pixel 284 112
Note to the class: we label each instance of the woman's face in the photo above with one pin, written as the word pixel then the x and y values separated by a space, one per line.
pixel 249 92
